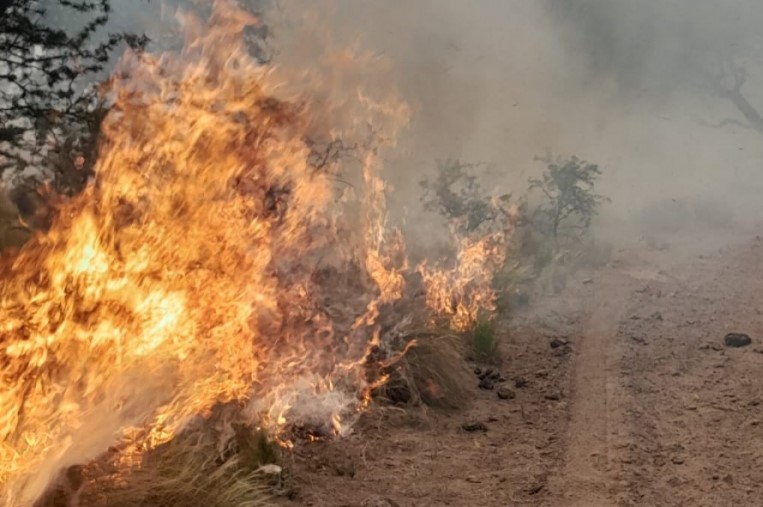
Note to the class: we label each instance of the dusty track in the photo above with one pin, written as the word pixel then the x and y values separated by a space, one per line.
pixel 585 478
pixel 645 406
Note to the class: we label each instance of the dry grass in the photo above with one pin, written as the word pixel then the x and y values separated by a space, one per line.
pixel 185 473
pixel 189 471
pixel 433 372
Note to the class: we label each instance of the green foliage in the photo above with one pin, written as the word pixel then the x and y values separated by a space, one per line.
pixel 570 199
pixel 49 107
pixel 550 232
pixel 456 194
pixel 485 341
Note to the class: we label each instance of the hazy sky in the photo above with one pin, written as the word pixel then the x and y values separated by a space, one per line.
pixel 621 83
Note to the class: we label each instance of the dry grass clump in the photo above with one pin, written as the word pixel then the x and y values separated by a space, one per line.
pixel 432 372
pixel 185 473
pixel 189 471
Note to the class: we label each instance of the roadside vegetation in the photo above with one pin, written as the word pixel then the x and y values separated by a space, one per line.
pixel 551 225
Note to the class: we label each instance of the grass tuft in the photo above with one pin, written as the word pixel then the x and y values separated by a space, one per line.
pixel 485 342
pixel 433 373
pixel 189 471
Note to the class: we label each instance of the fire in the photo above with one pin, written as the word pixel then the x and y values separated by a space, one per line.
pixel 463 292
pixel 184 276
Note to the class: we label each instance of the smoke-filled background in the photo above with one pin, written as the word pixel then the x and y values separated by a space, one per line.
pixel 632 86
pixel 663 96
pixel 628 85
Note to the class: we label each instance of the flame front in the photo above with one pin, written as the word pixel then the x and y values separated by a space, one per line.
pixel 159 291
pixel 183 277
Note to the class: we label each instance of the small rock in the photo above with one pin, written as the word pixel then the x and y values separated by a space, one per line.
pixel 588 281
pixel 478 371
pixel 737 340
pixel 486 384
pixel 553 396
pixel 379 501
pixel 506 394
pixel 495 376
pixel 486 373
pixel 677 460
pixel 534 490
pixel 520 382
pixel 558 342
pixel 398 392
pixel 474 426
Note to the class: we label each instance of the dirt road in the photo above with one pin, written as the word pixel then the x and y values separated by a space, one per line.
pixel 629 398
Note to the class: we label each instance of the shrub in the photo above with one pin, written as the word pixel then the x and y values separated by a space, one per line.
pixel 456 194
pixel 570 200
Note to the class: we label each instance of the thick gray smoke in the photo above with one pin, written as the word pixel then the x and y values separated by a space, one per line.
pixel 632 86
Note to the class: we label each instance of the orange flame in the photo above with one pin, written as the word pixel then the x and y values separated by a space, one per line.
pixel 462 292
pixel 175 281
pixel 184 276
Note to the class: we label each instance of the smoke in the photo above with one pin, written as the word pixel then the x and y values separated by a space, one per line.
pixel 631 86
pixel 628 85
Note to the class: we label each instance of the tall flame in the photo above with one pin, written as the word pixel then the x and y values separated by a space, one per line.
pixel 184 276
pixel 180 278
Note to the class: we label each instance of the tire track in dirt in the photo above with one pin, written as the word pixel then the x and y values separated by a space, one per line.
pixel 595 420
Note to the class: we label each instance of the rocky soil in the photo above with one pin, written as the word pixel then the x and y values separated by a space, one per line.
pixel 623 389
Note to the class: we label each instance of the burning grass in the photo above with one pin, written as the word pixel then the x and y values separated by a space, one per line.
pixel 184 278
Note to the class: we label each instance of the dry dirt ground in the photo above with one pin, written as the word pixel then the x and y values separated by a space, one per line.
pixel 641 403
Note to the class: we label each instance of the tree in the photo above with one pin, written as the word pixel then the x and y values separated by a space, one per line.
pixel 704 46
pixel 568 186
pixel 50 105
pixel 728 85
